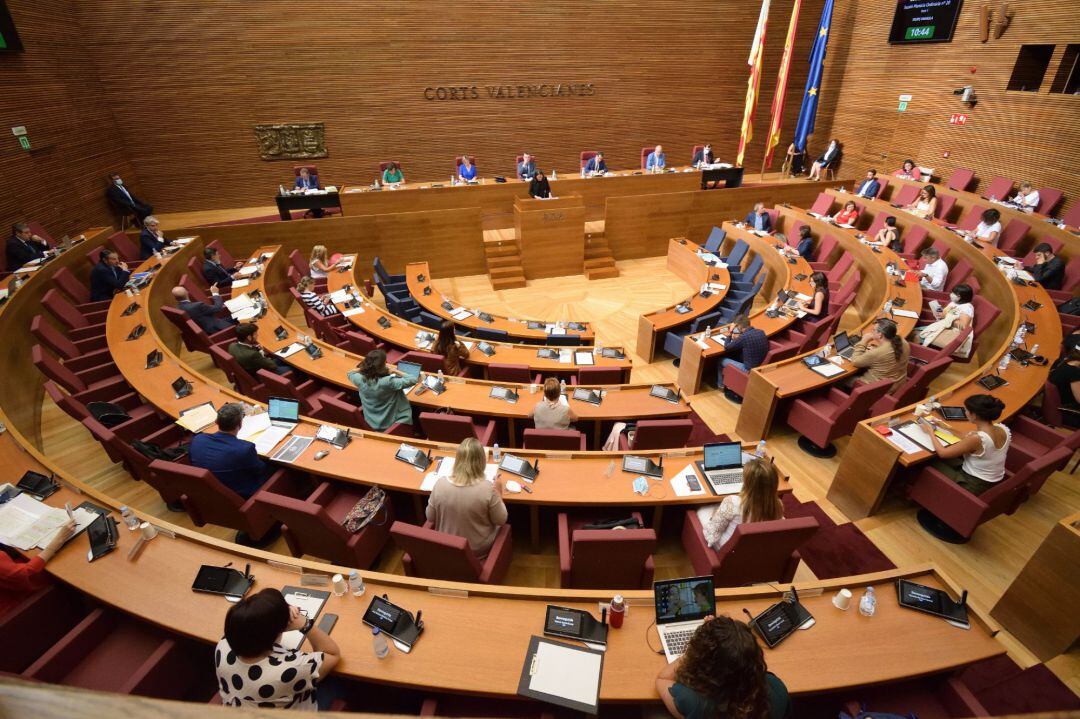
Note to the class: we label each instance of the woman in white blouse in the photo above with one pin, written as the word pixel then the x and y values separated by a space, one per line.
pixel 925 204
pixel 976 462
pixel 989 228
pixel 758 501
pixel 951 321
pixel 320 265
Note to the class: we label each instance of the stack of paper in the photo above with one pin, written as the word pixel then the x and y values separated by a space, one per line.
pixel 269 438
pixel 237 284
pixel 198 418
pixel 352 311
pixel 242 302
pixel 26 522
pixel 248 270
pixel 340 296
pixel 460 313
pixel 183 240
pixel 289 350
pixel 446 468
pixel 566 356
pixel 253 424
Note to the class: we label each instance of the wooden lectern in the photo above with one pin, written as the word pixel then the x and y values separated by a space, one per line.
pixel 551 235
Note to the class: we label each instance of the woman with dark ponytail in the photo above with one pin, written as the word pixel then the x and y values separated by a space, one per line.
pixel 882 354
pixel 976 462
pixel 818 306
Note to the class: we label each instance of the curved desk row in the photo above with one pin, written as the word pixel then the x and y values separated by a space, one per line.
pixel 870 460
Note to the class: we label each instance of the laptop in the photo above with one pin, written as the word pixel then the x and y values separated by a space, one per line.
pixel 722 467
pixel 284 412
pixel 681 607
pixel 411 370
pixel 842 345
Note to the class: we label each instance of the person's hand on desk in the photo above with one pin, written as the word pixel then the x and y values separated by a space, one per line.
pixel 297 619
pixel 500 484
pixel 66 532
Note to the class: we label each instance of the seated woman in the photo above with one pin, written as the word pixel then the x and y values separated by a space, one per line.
pixel 925 204
pixel 1065 376
pixel 312 299
pixel 848 215
pixel 1026 198
pixel 989 228
pixel 976 462
pixel 320 264
pixel 804 245
pixel 380 389
pixel 818 306
pixel 881 353
pixel 539 187
pixel 722 674
pixel 551 412
pixel 889 236
pixel 757 501
pixel 393 175
pixel 953 319
pixel 827 159
pixel 466 171
pixel 465 504
pixel 447 345
pixel 910 171
pixel 255 670
pixel 20 578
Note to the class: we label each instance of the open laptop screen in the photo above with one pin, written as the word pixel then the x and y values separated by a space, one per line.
pixel 282 409
pixel 411 370
pixel 684 600
pixel 841 341
pixel 722 455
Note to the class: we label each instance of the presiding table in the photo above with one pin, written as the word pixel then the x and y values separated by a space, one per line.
pixel 307 200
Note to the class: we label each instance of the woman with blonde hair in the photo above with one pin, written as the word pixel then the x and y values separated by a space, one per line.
pixel 320 264
pixel 466 504
pixel 758 501
pixel 321 304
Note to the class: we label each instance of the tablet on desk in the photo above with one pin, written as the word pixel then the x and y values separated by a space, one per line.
pixel 952 412
pixel 931 601
pixel 224 581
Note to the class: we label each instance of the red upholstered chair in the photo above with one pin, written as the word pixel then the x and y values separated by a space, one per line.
pixel 826 248
pixel 913 240
pixel 227 260
pixel 951 513
pixel 309 393
pixel 242 381
pixel 300 264
pixel 960 179
pixel 194 268
pixel 116 442
pixel 77 292
pixel 312 170
pixel 645 152
pixel 925 354
pixel 736 380
pixel 882 186
pixel 658 434
pixel 517 373
pixel 311 521
pixel 128 250
pixel 80 326
pixel 1071 218
pixel 519 158
pixel 340 411
pixel 822 204
pixel 840 268
pixel 914 389
pixel 195 290
pixel 1014 233
pixel 604 558
pixel 820 418
pixel 386 163
pixel 105 378
pixel 75 405
pixel 586 156
pixel 77 357
pixel 569 440
pixel 598 376
pixel 37 623
pixel 998 189
pixel 945 204
pixel 958 274
pixel 428 361
pixel 436 555
pixel 208 501
pixel 361 344
pixel 972 218
pixel 38 229
pixel 1069 284
pixel 695 150
pixel 906 195
pixel 455 427
pixel 458 160
pixel 757 552
pixel 774 215
pixel 1032 439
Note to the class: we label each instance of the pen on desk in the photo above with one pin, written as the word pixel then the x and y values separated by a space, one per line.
pixel 71 514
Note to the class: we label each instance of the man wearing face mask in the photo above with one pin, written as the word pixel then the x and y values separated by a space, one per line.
pixel 123 199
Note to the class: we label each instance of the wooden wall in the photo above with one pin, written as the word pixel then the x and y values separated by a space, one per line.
pixel 1023 135
pixel 188 79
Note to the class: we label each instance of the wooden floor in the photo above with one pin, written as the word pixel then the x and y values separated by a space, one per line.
pixel 985 566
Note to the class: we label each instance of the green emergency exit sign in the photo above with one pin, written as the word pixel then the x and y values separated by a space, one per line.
pixel 24 142
pixel 922 32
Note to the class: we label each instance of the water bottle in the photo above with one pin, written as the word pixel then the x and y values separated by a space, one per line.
pixel 554 175
pixel 440 376
pixel 562 386
pixel 760 451
pixel 888 307
pixel 130 520
pixel 379 643
pixel 496 453
pixel 356 583
pixel 1004 363
pixel 868 603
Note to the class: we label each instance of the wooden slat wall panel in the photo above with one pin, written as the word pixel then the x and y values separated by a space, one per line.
pixel 1026 136
pixel 189 79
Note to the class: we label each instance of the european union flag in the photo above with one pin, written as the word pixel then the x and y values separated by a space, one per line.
pixel 808 112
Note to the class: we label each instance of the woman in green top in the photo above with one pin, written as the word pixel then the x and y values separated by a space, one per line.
pixel 722 674
pixel 380 387
pixel 392 175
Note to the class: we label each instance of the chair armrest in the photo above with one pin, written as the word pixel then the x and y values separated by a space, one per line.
pixel 91 360
pixel 498 560
pixel 100 373
pixel 486 433
pixel 564 550
pixel 837 397
pixel 140 427
pixel 323 494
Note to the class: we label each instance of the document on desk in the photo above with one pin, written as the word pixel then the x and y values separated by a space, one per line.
pixel 307 600
pixel 247 270
pixel 910 314
pixel 918 435
pixel 905 444
pixel 253 424
pixel 828 370
pixel 566 356
pixel 339 296
pixel 198 418
pixel 237 284
pixel 446 468
pixel 680 483
pixel 562 674
pixel 460 314
pixel 353 311
pixel 243 302
pixel 584 358
pixel 26 522
pixel 269 438
pixel 289 350
pixel 292 449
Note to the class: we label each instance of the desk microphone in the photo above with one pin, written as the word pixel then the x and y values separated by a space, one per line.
pixel 963 598
pixel 419 622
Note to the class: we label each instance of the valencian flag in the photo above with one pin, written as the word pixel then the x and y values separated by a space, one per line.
pixel 781 87
pixel 757 49
pixel 808 113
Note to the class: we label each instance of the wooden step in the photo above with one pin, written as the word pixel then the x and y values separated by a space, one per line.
pixel 600 251
pixel 599 273
pixel 597 262
pixel 504 261
pixel 508 283
pixel 505 271
pixel 507 248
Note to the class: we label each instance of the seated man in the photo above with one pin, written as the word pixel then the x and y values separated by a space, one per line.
pixel 1026 198
pixel 204 315
pixel 122 198
pixel 23 246
pixel 108 276
pixel 656 160
pixel 233 461
pixel 934 271
pixel 745 347
pixel 704 156
pixel 250 355
pixel 870 186
pixel 595 165
pixel 151 239
pixel 306 181
pixel 527 167
pixel 1049 269
pixel 216 273
pixel 759 219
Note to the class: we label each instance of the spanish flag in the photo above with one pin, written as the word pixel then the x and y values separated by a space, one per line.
pixel 756 52
pixel 781 87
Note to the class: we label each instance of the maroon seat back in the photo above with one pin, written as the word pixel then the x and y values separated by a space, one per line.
pixel 762 552
pixel 914 388
pixel 297 260
pixel 1072 217
pixel 278 386
pixel 72 407
pixel 195 292
pixel 606 559
pixel 586 156
pixel 569 440
pixel 945 203
pixel 309 528
pixel 207 500
pixel 124 247
pixel 51 368
pixel 960 179
pixel 179 318
pixel 972 219
pixel 847 414
pixel 52 338
pixel 696 149
pixel 447 427
pixel 38 229
pixel 242 380
pixel 1051 405
pixel 60 308
pixel 94 255
pixel 913 239
pixel 822 204
pixel 1007 495
pixel 958 274
pixel 1012 235
pixel 69 284
pixel 840 268
pixel 876 225
pixel 435 555
pixel 826 248
pixel 509 373
pixel 195 269
pixel 645 151
pixel 226 259
pixel 359 342
pixel 662 434
pixel 1072 275
pixel 906 195
pixel 998 189
pixel 134 461
pixel 339 411
pixel 428 361
pixel 600 375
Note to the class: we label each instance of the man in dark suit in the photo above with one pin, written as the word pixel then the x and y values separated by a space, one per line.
pixel 23 246
pixel 703 156
pixel 204 315
pixel 108 276
pixel 1049 269
pixel 250 355
pixel 870 186
pixel 526 168
pixel 306 181
pixel 151 239
pixel 759 219
pixel 595 164
pixel 121 197
pixel 233 461
pixel 216 273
